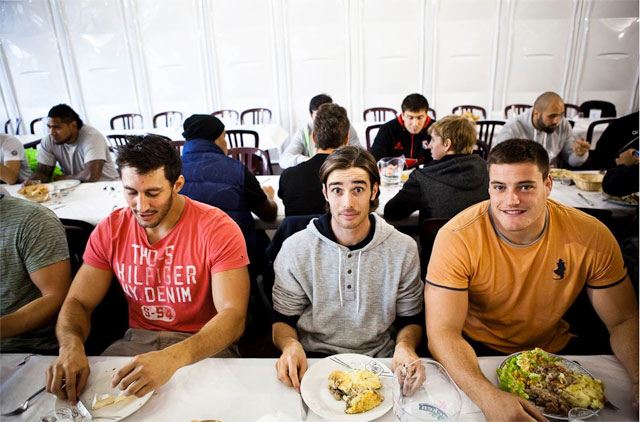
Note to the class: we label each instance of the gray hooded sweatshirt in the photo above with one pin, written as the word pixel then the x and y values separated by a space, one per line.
pixel 348 300
pixel 557 143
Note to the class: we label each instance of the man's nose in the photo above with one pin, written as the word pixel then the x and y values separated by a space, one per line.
pixel 513 197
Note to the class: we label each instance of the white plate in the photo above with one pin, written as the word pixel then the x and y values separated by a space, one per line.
pixel 316 395
pixel 63 184
pixel 617 200
pixel 100 382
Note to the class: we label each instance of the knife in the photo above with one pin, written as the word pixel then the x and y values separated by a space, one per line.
pixel 83 410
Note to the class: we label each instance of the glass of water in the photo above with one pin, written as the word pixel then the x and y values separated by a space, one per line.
pixel 424 391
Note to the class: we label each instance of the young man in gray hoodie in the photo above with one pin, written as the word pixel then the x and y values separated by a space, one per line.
pixel 349 282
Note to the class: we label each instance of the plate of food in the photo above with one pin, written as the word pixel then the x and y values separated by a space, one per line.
pixel 336 392
pixel 38 192
pixel 554 384
pixel 64 184
pixel 561 175
pixel 103 401
pixel 628 200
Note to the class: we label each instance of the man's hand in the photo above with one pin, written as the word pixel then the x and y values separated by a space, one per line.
pixel 403 355
pixel 627 158
pixel 67 376
pixel 268 190
pixel 503 406
pixel 145 373
pixel 292 365
pixel 581 147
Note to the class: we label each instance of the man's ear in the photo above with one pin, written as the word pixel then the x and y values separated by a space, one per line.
pixel 374 191
pixel 448 144
pixel 177 187
pixel 324 192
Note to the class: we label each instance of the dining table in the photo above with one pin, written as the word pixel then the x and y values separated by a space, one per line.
pixel 29 140
pixel 248 390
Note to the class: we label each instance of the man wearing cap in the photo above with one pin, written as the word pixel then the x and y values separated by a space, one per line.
pixel 216 179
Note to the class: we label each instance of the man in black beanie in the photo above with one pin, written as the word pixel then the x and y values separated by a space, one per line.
pixel 215 179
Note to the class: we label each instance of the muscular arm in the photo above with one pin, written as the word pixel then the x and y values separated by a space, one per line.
pixel 43 173
pixel 53 282
pixel 91 172
pixel 146 372
pixel 292 364
pixel 617 308
pixel 9 173
pixel 446 311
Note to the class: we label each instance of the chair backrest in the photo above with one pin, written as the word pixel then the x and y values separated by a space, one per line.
pixel 128 121
pixel 432 113
pixel 168 119
pixel 487 130
pixel 593 125
pixel 114 141
pixel 368 135
pixel 39 126
pixel 258 116
pixel 482 149
pixel 515 109
pixel 571 110
pixel 177 145
pixel 256 160
pixel 230 117
pixel 474 109
pixel 608 109
pixel 379 113
pixel 290 225
pixel 428 231
pixel 236 138
pixel 12 126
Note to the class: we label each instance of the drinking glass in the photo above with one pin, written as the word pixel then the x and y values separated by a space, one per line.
pixel 424 391
pixel 391 169
pixel 578 414
pixel 61 414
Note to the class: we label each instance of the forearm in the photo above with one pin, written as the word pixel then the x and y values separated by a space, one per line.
pixel 32 316
pixel 9 175
pixel 457 355
pixel 74 324
pixel 284 335
pixel 85 175
pixel 216 335
pixel 624 343
pixel 409 336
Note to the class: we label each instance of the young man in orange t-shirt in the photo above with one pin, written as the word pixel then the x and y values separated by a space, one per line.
pixel 504 272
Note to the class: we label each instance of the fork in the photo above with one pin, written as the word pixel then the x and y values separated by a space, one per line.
pixel 343 363
pixel 24 406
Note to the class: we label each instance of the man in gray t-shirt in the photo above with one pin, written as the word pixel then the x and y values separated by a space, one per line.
pixel 14 166
pixel 36 274
pixel 80 149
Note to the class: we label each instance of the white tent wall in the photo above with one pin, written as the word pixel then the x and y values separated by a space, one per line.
pixel 110 57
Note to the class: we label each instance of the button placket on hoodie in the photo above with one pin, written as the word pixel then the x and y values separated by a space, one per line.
pixel 349 276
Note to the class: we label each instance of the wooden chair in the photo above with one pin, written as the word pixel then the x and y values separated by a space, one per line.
pixel 40 124
pixel 428 231
pixel 379 113
pixel 473 109
pixel 171 119
pixel 593 125
pixel 368 134
pixel 256 160
pixel 236 138
pixel 571 110
pixel 432 113
pixel 482 149
pixel 231 117
pixel 177 145
pixel 259 116
pixel 486 130
pixel 516 108
pixel 128 121
pixel 12 126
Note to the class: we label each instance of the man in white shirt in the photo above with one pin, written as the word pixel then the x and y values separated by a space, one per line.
pixel 14 166
pixel 545 124
pixel 80 149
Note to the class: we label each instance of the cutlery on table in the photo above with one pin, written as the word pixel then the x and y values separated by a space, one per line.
pixel 585 199
pixel 24 406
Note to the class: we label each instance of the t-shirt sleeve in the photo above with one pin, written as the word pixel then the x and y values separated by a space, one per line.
pixel 98 250
pixel 95 147
pixel 43 241
pixel 13 150
pixel 608 267
pixel 450 263
pixel 254 196
pixel 45 152
pixel 226 249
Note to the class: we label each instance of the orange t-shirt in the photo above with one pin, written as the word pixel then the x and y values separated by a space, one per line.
pixel 518 294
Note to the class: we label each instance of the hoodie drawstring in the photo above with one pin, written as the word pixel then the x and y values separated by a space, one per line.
pixel 358 284
pixel 339 274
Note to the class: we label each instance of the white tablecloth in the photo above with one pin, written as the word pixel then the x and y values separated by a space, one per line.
pixel 248 390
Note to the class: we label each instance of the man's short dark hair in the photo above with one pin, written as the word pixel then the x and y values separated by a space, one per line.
pixel 66 114
pixel 317 101
pixel 415 103
pixel 330 126
pixel 515 151
pixel 347 157
pixel 148 153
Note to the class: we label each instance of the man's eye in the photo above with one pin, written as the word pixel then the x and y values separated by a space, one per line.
pixel 336 190
pixel 358 190
pixel 526 187
pixel 498 188
pixel 152 195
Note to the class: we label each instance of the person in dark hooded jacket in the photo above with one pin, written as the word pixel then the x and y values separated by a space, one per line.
pixel 453 181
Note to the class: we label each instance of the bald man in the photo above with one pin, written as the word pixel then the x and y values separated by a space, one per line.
pixel 545 124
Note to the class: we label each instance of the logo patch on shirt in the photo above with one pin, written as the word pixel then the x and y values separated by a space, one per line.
pixel 14 152
pixel 560 270
pixel 398 145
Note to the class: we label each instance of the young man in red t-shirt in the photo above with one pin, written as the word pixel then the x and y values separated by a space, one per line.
pixel 182 266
